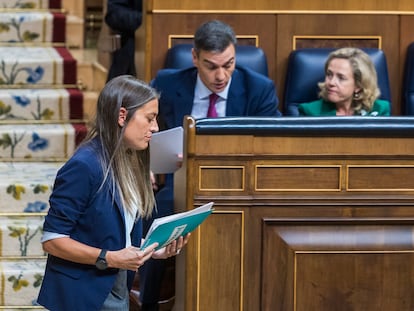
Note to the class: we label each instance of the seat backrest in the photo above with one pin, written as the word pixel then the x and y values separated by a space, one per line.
pixel 306 67
pixel 408 84
pixel 179 57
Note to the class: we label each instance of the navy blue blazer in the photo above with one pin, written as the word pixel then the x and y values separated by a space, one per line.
pixel 250 94
pixel 92 217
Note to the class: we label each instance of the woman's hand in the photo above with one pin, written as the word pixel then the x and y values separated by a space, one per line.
pixel 179 160
pixel 130 258
pixel 153 182
pixel 171 249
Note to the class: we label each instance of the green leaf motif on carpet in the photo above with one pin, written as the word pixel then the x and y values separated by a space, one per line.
pixel 15 24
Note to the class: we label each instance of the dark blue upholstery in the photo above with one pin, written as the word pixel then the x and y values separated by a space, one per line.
pixel 306 67
pixel 408 85
pixel 349 126
pixel 179 57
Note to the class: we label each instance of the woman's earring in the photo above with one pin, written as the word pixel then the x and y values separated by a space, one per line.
pixel 356 95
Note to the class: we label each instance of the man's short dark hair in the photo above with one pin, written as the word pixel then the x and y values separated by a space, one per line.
pixel 214 36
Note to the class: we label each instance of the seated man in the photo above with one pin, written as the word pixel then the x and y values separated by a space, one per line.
pixel 238 92
pixel 350 87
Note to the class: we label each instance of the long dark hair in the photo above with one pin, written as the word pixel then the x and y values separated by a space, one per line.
pixel 128 170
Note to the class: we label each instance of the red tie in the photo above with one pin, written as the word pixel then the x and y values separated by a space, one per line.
pixel 212 112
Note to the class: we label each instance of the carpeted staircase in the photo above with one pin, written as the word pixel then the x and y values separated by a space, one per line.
pixel 41 122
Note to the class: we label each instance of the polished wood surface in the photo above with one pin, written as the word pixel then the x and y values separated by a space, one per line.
pixel 300 222
pixel 337 265
pixel 269 5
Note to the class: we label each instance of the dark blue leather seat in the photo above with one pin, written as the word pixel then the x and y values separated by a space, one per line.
pixel 306 67
pixel 408 84
pixel 179 57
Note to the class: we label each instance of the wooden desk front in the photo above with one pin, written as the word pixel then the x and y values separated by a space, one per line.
pixel 301 221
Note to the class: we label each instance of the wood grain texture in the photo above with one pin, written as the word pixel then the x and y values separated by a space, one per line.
pixel 318 225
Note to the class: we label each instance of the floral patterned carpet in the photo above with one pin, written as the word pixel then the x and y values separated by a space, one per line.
pixel 41 122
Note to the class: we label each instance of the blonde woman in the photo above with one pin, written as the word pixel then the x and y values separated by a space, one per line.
pixel 350 87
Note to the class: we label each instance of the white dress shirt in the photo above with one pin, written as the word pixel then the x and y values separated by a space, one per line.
pixel 201 100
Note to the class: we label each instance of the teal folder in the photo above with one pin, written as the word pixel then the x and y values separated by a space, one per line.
pixel 166 229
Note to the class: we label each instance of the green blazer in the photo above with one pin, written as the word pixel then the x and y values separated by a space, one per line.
pixel 323 108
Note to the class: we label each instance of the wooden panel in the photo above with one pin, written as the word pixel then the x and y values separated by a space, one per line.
pixel 221 178
pixel 222 243
pixel 343 146
pixel 380 178
pixel 189 39
pixel 303 42
pixel 383 281
pixel 337 265
pixel 403 5
pixel 208 145
pixel 297 178
pixel 310 146
pixel 318 244
pixel 305 176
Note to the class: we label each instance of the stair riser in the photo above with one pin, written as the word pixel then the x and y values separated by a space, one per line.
pixel 42 141
pixel 20 236
pixel 36 66
pixel 26 187
pixel 30 4
pixel 32 27
pixel 22 280
pixel 36 105
pixel 75 37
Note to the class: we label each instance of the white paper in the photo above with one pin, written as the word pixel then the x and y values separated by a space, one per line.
pixel 170 218
pixel 165 146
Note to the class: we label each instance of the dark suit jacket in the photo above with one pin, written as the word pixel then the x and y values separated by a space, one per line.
pixel 88 216
pixel 250 94
pixel 124 17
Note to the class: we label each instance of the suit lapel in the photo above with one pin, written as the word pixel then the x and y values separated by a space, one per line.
pixel 236 98
pixel 118 203
pixel 185 96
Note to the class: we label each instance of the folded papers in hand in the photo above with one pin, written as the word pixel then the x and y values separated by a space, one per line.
pixel 166 229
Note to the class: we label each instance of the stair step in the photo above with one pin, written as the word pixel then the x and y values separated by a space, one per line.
pixel 36 66
pixel 20 236
pixel 32 26
pixel 75 32
pixel 76 8
pixel 41 142
pixel 26 186
pixel 91 74
pixel 21 279
pixel 30 4
pixel 89 105
pixel 41 105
